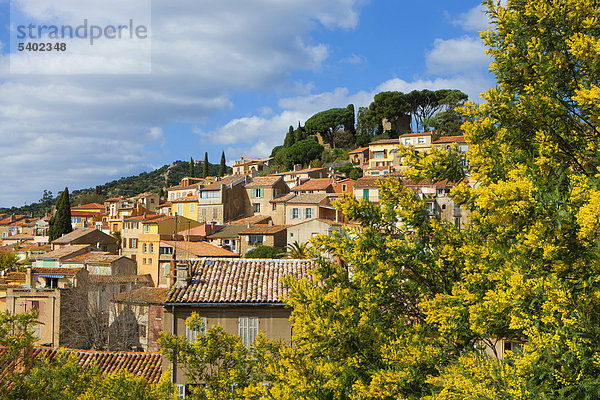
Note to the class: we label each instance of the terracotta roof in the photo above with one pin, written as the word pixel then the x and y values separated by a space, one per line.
pixel 141 195
pixel 88 206
pixel 201 249
pixel 9 248
pixel 75 213
pixel 34 247
pixel 283 199
pixel 7 220
pixel 63 252
pixel 385 141
pixel 255 219
pixel 371 181
pixel 156 218
pixel 76 234
pixel 263 181
pixel 96 257
pixel 314 184
pixel 228 232
pixel 450 139
pixel 113 199
pixel 308 198
pixel 238 280
pixel 305 170
pixel 359 150
pixel 24 236
pixel 417 134
pixel 144 364
pixel 60 270
pixel 143 295
pixel 328 222
pixel 139 279
pixel 263 229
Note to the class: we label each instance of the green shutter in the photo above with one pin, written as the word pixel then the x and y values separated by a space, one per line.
pixel 262 193
pixel 366 194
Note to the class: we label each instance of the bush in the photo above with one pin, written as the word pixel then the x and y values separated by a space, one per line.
pixel 263 252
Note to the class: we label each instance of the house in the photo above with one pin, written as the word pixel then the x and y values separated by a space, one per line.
pixel 154 230
pixel 244 296
pixel 317 185
pixel 164 208
pixel 304 231
pixel 142 311
pixel 9 280
pixel 188 186
pixel 17 239
pixel 132 229
pixel 367 187
pixel 299 175
pixel 251 166
pixel 87 215
pixel 383 157
pixel 200 232
pixel 263 234
pixel 181 250
pixel 303 207
pixel 147 200
pixel 224 200
pixel 15 224
pixel 91 236
pixel 264 189
pixel 359 158
pixel 228 237
pixel 55 258
pixel 102 263
pixel 344 186
pixel 185 206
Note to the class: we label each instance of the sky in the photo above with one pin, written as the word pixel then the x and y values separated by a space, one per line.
pixel 229 75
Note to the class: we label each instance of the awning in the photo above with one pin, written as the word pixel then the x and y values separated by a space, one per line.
pixel 51 276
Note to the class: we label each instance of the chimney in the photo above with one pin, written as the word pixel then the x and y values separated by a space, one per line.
pixel 12 217
pixel 270 223
pixel 182 275
pixel 28 277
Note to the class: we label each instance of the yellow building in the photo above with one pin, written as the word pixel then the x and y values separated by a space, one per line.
pixel 154 230
pixel 185 207
pixel 382 157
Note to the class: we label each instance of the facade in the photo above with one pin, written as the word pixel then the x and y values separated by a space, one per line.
pixel 304 231
pixel 252 166
pixel 224 200
pixel 244 296
pixel 186 206
pixel 264 189
pixel 154 230
pixel 317 185
pixel 228 237
pixel 299 175
pixel 383 157
pixel 92 236
pixel 359 158
pixel 304 207
pixel 265 235
pixel 147 200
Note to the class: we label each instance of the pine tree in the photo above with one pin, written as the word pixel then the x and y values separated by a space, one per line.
pixel 192 174
pixel 222 167
pixel 60 223
pixel 289 138
pixel 205 166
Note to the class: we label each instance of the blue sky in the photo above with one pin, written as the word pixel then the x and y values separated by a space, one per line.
pixel 226 76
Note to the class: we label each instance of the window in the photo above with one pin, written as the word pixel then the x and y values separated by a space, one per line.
pixel 378 154
pixel 215 212
pixel 166 267
pixel 256 207
pixel 180 209
pixel 146 228
pixel 308 213
pixel 191 335
pixel 421 140
pixel 274 206
pixel 295 213
pixel 457 222
pixel 512 346
pixel 248 329
pixel 192 207
pixel 51 283
pixel 151 201
pixel 343 188
pixel 166 250
pixel 209 194
pixel 255 239
pixel 133 243
pixel 145 248
pixel 407 141
pixel 291 234
pixel 149 261
pixel 257 193
pixel 181 391
pixel 151 247
pixel 366 194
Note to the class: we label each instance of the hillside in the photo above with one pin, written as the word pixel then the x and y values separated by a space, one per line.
pixel 154 181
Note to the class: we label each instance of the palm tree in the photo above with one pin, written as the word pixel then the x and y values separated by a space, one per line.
pixel 297 251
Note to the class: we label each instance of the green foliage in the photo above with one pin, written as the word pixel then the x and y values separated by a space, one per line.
pixel 448 122
pixel 366 124
pixel 390 105
pixel 303 152
pixel 328 122
pixel 192 172
pixel 222 166
pixel 89 197
pixel 10 262
pixel 289 138
pixel 219 363
pixel 350 171
pixel 424 104
pixel 205 172
pixel 261 251
pixel 60 223
pixel 298 251
pixel 122 385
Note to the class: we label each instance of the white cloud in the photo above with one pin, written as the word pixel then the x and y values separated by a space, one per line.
pixel 473 20
pixel 80 130
pixel 354 59
pixel 458 55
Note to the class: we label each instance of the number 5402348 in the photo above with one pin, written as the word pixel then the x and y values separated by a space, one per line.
pixel 42 46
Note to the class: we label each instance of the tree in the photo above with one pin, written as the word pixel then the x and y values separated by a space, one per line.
pixel 297 251
pixel 303 152
pixel 205 166
pixel 223 166
pixel 386 105
pixel 10 262
pixel 448 121
pixel 424 104
pixel 289 138
pixel 328 122
pixel 60 223
pixel 261 251
pixel 192 173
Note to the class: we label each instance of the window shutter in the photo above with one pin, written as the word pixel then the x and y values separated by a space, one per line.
pixel 262 193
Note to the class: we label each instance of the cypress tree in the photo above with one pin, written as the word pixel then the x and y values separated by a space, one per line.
pixel 192 175
pixel 205 166
pixel 60 223
pixel 222 167
pixel 289 138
